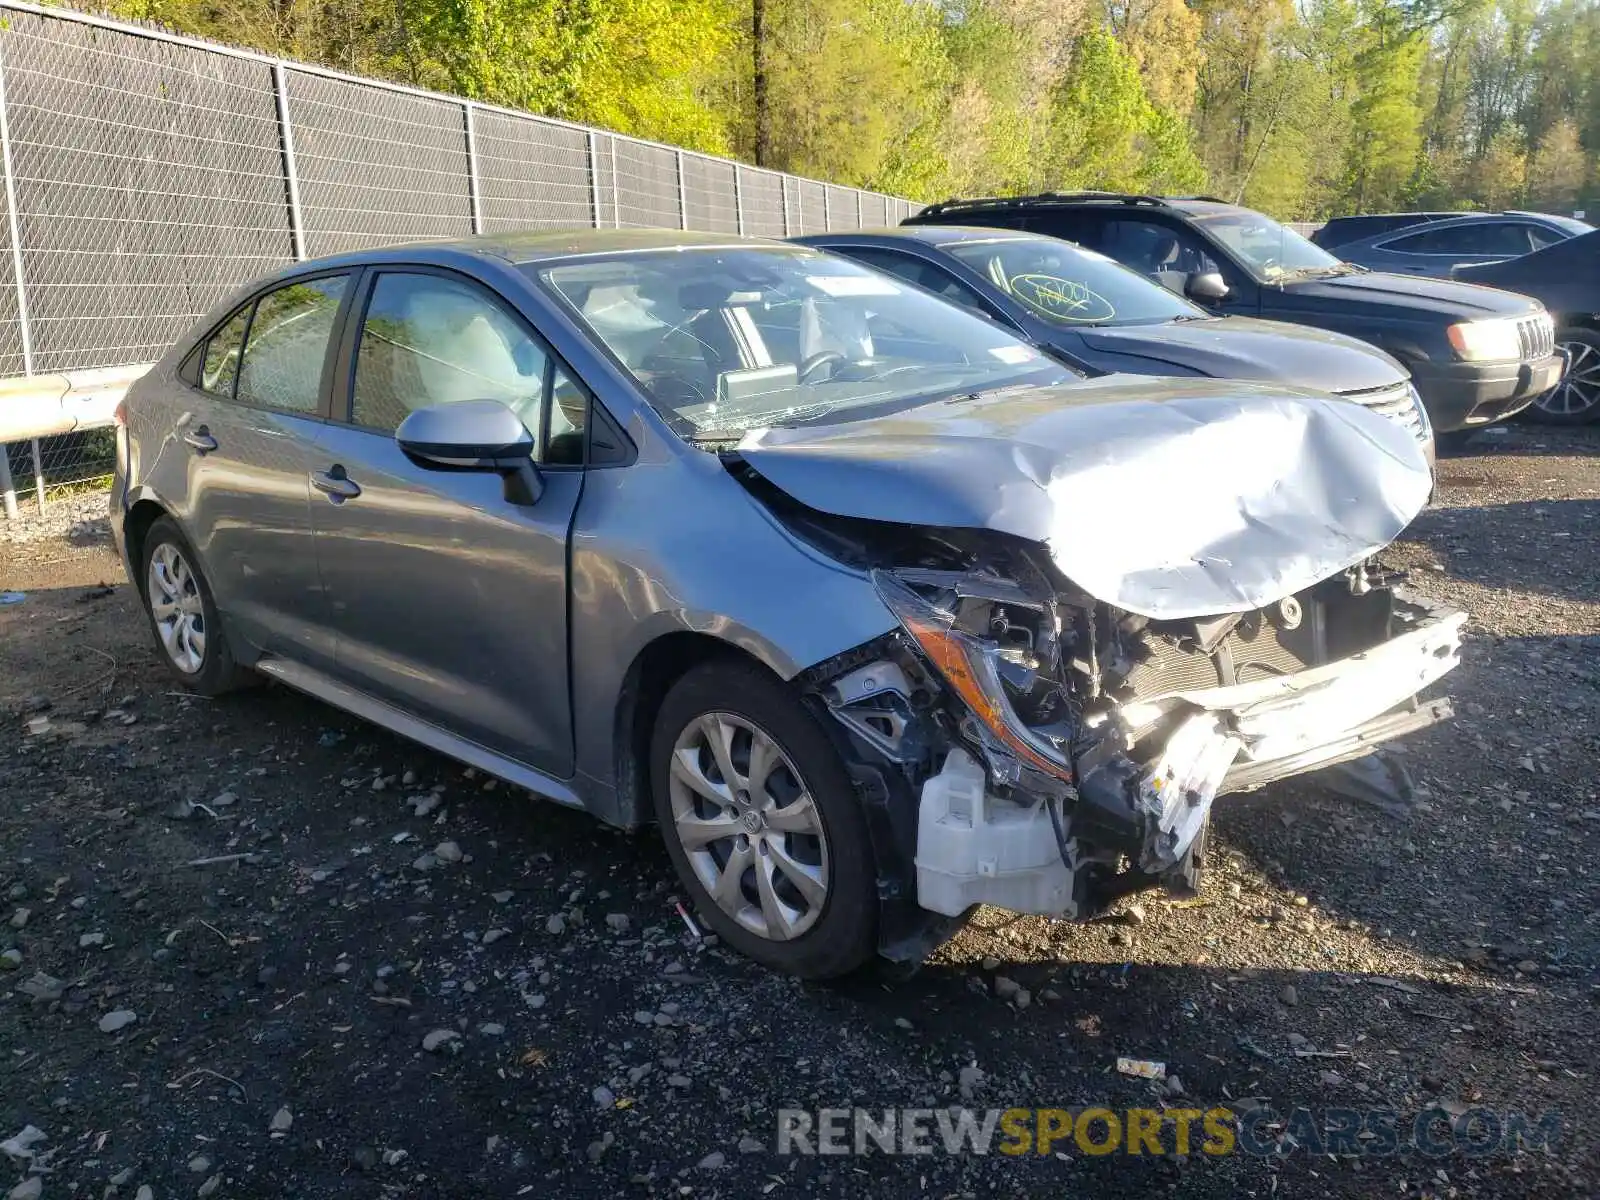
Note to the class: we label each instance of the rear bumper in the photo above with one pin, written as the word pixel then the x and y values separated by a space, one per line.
pixel 118 506
pixel 1471 395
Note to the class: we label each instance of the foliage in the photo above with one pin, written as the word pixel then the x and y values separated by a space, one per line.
pixel 1299 107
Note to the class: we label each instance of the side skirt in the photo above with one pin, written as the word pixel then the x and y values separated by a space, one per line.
pixel 387 716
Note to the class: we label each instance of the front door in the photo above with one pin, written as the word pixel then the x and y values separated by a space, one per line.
pixel 447 600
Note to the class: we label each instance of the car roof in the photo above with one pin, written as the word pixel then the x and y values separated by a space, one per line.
pixel 1454 221
pixel 1085 199
pixel 929 235
pixel 525 247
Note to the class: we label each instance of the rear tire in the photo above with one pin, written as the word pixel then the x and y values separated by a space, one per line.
pixel 1576 399
pixel 183 614
pixel 776 858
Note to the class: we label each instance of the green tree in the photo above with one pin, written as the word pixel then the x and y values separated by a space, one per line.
pixel 1558 168
pixel 1105 131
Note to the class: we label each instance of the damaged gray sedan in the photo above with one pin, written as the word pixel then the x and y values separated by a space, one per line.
pixel 877 612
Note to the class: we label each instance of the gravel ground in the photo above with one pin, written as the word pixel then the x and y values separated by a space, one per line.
pixel 253 947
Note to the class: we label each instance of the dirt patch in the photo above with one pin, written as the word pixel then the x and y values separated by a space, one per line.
pixel 327 1001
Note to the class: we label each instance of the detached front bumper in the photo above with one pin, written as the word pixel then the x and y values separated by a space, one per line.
pixel 1471 395
pixel 1307 717
pixel 1152 769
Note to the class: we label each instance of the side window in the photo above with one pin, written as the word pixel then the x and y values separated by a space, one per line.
pixel 1164 254
pixel 922 273
pixel 1463 239
pixel 1542 237
pixel 221 365
pixel 282 365
pixel 569 413
pixel 1080 227
pixel 1514 237
pixel 430 339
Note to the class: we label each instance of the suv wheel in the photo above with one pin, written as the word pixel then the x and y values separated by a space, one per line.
pixel 762 823
pixel 183 615
pixel 1576 399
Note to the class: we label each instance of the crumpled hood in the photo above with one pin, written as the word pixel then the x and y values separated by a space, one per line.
pixel 1165 497
pixel 1247 348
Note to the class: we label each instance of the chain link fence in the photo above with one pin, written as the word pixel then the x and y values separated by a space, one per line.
pixel 146 175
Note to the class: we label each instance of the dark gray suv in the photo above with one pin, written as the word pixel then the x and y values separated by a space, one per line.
pixel 1477 355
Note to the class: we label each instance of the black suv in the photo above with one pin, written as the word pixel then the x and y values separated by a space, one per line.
pixel 1477 355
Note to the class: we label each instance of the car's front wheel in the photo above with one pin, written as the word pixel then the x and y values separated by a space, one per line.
pixel 1576 399
pixel 762 823
pixel 183 614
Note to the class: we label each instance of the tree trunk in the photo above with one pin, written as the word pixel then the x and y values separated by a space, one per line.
pixel 758 84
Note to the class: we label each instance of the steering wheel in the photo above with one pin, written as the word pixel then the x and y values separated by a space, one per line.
pixel 815 362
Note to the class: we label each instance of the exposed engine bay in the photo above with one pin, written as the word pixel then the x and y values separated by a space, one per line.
pixel 1062 752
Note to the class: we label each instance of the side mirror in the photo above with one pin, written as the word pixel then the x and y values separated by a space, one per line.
pixel 474 435
pixel 1205 286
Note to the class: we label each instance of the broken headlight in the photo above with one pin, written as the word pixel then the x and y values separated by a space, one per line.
pixel 991 672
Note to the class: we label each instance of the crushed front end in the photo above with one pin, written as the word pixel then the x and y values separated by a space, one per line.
pixel 1062 752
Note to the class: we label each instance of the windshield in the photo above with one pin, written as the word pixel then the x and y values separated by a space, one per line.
pixel 1267 248
pixel 1067 285
pixel 724 340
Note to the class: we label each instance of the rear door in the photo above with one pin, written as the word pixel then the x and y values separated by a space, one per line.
pixel 447 600
pixel 254 412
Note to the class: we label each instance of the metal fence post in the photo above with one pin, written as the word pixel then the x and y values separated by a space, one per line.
pixel 291 177
pixel 38 474
pixel 474 196
pixel 683 196
pixel 783 203
pixel 616 196
pixel 8 491
pixel 594 179
pixel 859 221
pixel 16 225
pixel 738 203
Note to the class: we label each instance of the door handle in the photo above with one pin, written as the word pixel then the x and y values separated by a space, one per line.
pixel 201 439
pixel 335 484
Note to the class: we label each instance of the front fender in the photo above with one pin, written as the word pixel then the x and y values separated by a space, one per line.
pixel 678 546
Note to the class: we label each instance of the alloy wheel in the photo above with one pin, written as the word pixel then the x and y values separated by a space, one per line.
pixel 177 609
pixel 1579 390
pixel 749 826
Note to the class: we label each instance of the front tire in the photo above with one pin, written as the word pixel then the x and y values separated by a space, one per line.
pixel 762 822
pixel 1576 399
pixel 183 614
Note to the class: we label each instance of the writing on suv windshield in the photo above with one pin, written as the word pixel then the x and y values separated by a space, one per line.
pixel 726 340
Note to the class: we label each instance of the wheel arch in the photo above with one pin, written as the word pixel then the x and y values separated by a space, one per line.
pixel 141 515
pixel 658 665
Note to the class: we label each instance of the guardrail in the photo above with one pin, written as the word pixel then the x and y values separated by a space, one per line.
pixel 147 174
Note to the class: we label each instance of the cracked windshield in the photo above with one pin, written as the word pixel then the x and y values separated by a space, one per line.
pixel 729 340
pixel 1072 286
